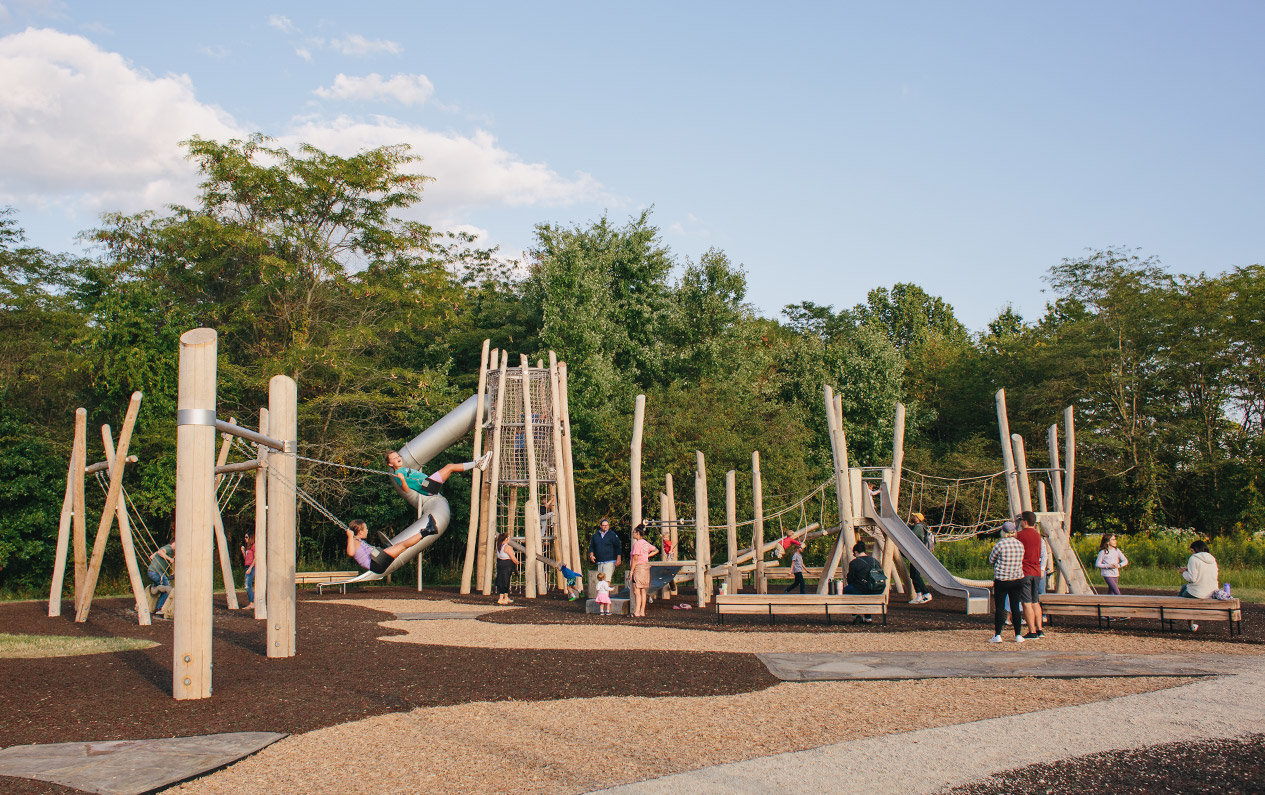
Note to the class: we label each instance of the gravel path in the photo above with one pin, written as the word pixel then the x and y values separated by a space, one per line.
pixel 932 759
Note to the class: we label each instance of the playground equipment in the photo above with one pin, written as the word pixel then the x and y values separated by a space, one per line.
pixel 859 514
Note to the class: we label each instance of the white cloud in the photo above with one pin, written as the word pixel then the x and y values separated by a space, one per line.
pixel 281 23
pixel 405 89
pixel 84 129
pixel 355 44
pixel 218 51
pixel 81 125
pixel 303 52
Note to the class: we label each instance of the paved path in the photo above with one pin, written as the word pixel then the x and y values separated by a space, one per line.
pixel 930 760
pixel 841 666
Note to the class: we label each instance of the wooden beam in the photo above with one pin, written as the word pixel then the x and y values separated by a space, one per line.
pixel 102 466
pixel 898 455
pixel 112 498
pixel 67 515
pixel 125 539
pixel 1021 473
pixel 497 423
pixel 79 536
pixel 487 502
pixel 476 478
pixel 566 441
pixel 634 458
pixel 1069 459
pixel 236 466
pixel 702 540
pixel 195 499
pixel 221 538
pixel 1056 476
pixel 561 511
pixel 283 422
pixel 843 490
pixel 731 528
pixel 531 527
pixel 1007 455
pixel 261 523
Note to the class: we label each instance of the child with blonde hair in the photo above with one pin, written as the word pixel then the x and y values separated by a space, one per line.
pixel 603 594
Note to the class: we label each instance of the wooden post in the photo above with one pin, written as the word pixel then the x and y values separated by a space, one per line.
pixel 495 480
pixel 1021 473
pixel 1069 463
pixel 283 424
pixel 221 539
pixel 665 555
pixel 107 513
pixel 1007 455
pixel 898 455
pixel 67 512
pixel 703 541
pixel 531 527
pixel 634 458
pixel 566 441
pixel 79 535
pixel 1056 477
pixel 195 499
pixel 487 500
pixel 561 512
pixel 843 493
pixel 125 535
pixel 1041 495
pixel 261 523
pixel 476 478
pixel 731 530
pixel 757 527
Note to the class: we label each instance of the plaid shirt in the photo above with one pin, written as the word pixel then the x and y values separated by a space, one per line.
pixel 1007 559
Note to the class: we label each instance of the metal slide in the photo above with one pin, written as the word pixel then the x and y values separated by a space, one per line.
pixel 416 454
pixel 661 575
pixel 934 572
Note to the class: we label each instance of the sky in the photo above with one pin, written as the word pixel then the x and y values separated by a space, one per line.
pixel 828 148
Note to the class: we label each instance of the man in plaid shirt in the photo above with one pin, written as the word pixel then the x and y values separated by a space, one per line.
pixel 1007 560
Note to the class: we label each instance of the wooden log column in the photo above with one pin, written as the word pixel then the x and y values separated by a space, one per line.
pixel 702 534
pixel 195 499
pixel 221 537
pixel 1007 455
pixel 1021 473
pixel 125 535
pixel 73 470
pixel 634 458
pixel 283 424
pixel 561 511
pixel 843 493
pixel 476 478
pixel 570 462
pixel 757 527
pixel 494 481
pixel 733 576
pixel 531 523
pixel 261 522
pixel 1056 475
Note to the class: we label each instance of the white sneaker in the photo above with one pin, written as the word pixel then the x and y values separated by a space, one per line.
pixel 1194 627
pixel 481 463
pixel 926 598
pixel 1019 638
pixel 995 639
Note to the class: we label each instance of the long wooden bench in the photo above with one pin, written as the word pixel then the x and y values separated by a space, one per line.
pixel 1166 609
pixel 324 579
pixel 801 604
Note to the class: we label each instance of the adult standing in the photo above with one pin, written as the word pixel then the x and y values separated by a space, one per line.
pixel 605 550
pixel 1007 560
pixel 640 554
pixel 506 561
pixel 1032 573
pixel 797 569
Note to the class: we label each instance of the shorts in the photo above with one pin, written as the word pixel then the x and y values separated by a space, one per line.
pixel 1028 592
pixel 379 561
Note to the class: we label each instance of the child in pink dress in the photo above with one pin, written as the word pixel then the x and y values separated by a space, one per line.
pixel 603 594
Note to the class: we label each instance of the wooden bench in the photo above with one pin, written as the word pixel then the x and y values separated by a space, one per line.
pixel 1166 609
pixel 324 579
pixel 801 604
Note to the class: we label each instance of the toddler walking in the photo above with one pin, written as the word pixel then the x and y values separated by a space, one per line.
pixel 603 594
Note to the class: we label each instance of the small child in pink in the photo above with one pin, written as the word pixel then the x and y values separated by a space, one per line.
pixel 603 594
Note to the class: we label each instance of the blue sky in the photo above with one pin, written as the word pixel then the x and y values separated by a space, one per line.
pixel 829 148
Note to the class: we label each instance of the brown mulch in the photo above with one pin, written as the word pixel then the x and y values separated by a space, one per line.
pixel 342 673
pixel 1215 767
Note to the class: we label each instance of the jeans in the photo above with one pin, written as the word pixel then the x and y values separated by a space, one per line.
pixel 159 580
pixel 799 583
pixel 250 585
pixel 1003 590
pixel 1113 585
pixel 916 577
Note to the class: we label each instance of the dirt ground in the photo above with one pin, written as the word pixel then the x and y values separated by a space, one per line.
pixel 346 674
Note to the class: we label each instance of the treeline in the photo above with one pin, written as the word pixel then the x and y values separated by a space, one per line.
pixel 300 260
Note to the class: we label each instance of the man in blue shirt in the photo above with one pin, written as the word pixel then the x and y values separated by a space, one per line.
pixel 604 550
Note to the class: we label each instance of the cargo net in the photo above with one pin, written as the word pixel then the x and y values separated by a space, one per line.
pixel 513 464
pixel 512 516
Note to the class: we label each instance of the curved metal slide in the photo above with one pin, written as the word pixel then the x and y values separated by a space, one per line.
pixel 933 571
pixel 416 454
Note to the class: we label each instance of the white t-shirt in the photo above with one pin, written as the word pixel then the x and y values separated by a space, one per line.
pixel 603 586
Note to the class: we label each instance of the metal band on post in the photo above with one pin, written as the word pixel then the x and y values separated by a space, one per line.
pixel 195 417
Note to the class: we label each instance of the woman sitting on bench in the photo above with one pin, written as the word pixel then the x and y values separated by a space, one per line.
pixel 372 558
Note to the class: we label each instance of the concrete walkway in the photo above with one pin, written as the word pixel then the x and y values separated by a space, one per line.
pixel 930 760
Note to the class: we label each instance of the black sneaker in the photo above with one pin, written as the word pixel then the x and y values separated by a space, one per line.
pixel 1040 633
pixel 1032 636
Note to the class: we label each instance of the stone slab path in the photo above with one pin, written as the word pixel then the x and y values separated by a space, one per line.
pixel 130 767
pixel 832 666
pixel 434 616
pixel 930 760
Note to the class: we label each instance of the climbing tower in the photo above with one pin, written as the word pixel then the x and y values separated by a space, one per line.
pixel 528 489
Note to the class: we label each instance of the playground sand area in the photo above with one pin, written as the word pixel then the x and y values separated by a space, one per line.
pixel 527 697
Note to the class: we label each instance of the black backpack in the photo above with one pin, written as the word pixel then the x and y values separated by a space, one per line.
pixel 875 581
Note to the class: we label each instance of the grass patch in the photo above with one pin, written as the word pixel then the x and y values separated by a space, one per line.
pixel 32 646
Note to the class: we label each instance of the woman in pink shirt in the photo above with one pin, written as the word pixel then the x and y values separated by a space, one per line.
pixel 640 554
pixel 248 555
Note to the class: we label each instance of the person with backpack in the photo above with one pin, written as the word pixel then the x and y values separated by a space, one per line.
pixel 865 575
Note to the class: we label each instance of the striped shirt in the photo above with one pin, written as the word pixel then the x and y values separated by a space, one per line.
pixel 1007 559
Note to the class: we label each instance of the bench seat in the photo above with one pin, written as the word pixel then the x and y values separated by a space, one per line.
pixel 801 604
pixel 322 579
pixel 1166 609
